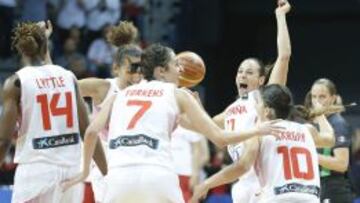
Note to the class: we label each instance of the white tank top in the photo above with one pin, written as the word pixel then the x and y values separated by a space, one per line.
pixel 241 115
pixel 181 147
pixel 113 89
pixel 49 129
pixel 289 164
pixel 142 120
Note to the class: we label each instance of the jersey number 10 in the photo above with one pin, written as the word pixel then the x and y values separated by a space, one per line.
pixel 291 162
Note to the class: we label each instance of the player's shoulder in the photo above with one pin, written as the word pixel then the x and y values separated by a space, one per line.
pixel 11 85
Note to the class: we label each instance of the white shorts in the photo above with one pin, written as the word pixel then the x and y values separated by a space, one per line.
pixel 245 191
pixel 145 184
pixel 290 197
pixel 98 184
pixel 40 183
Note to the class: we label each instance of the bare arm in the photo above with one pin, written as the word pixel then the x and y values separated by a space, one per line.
pixel 95 88
pixel 91 139
pixel 231 172
pixel 204 125
pixel 325 137
pixel 281 66
pixel 339 162
pixel 219 120
pixel 99 155
pixel 11 98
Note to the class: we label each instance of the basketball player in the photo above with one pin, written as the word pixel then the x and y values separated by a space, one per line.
pixel 241 115
pixel 190 153
pixel 126 72
pixel 286 165
pixel 142 118
pixel 51 114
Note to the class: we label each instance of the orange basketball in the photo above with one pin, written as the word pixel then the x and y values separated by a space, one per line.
pixel 193 69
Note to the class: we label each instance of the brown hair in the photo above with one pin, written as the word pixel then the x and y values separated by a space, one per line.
pixel 330 85
pixel 122 34
pixel 29 39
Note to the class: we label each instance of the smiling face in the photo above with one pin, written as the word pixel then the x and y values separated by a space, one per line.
pixel 249 76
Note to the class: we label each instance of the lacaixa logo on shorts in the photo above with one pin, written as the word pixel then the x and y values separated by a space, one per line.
pixel 134 140
pixel 55 141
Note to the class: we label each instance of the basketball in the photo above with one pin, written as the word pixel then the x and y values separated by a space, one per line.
pixel 193 69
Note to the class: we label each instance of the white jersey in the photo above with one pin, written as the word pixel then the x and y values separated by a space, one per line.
pixel 288 165
pixel 49 130
pixel 242 115
pixel 181 142
pixel 113 89
pixel 142 120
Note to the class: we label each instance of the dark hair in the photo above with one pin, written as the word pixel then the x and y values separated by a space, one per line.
pixel 29 39
pixel 154 56
pixel 278 98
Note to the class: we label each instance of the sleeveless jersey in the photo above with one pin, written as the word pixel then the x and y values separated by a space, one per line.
pixel 289 164
pixel 142 119
pixel 113 89
pixel 49 129
pixel 242 115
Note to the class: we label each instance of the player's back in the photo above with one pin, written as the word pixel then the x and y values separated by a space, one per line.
pixel 142 120
pixel 288 166
pixel 49 129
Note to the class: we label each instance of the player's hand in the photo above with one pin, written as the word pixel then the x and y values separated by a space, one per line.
pixel 283 7
pixel 200 192
pixel 73 181
pixel 47 27
pixel 269 128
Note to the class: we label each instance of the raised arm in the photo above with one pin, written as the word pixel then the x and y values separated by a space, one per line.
pixel 281 66
pixel 231 172
pixel 203 124
pixel 11 98
pixel 325 137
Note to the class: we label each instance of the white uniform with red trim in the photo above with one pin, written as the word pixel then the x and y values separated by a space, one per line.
pixel 48 144
pixel 98 183
pixel 241 115
pixel 288 166
pixel 139 154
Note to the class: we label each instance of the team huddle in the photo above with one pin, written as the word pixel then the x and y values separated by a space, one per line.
pixel 134 115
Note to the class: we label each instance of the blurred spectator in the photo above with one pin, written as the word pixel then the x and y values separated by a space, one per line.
pixel 77 64
pixel 220 194
pixel 7 9
pixel 71 14
pixel 134 11
pixel 69 51
pixel 100 14
pixel 33 10
pixel 100 55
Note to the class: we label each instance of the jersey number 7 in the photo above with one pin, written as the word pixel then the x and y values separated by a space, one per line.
pixel 144 106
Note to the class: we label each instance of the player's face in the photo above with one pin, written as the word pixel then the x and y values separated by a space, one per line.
pixel 171 74
pixel 320 96
pixel 248 77
pixel 134 76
